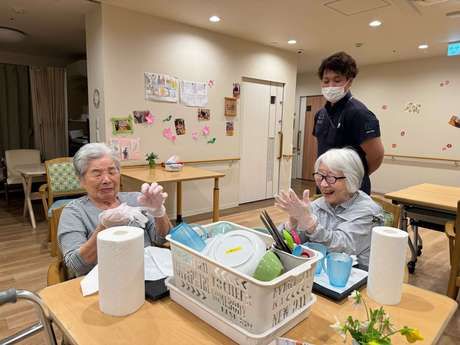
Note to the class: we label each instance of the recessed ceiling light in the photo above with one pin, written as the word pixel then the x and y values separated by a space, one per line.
pixel 423 46
pixel 375 23
pixel 9 35
pixel 214 19
pixel 292 42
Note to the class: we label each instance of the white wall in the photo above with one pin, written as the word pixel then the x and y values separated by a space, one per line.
pixel 426 133
pixel 125 44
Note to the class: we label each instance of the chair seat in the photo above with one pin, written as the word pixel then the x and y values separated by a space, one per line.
pixel 59 203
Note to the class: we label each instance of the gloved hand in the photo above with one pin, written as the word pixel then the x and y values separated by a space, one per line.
pixel 299 211
pixel 153 199
pixel 122 215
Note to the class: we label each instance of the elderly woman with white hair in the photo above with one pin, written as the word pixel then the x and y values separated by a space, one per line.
pixel 343 218
pixel 104 206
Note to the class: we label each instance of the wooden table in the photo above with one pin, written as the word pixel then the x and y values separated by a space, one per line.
pixel 165 322
pixel 28 172
pixel 133 177
pixel 427 205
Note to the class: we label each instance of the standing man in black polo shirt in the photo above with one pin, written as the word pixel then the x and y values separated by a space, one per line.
pixel 345 121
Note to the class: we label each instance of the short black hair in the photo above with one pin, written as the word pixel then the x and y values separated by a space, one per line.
pixel 340 63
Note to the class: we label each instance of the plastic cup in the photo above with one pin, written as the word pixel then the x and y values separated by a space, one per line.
pixel 323 250
pixel 186 235
pixel 338 268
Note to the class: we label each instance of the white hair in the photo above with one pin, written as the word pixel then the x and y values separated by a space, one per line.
pixel 89 152
pixel 348 162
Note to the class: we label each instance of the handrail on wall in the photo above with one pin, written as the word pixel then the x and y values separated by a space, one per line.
pixel 188 162
pixel 455 161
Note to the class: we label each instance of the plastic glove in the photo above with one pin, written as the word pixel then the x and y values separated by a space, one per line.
pixel 122 215
pixel 153 199
pixel 299 211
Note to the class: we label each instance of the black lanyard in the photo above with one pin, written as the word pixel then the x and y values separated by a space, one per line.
pixel 339 123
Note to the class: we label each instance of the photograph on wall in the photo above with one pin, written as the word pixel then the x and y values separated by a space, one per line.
pixel 161 87
pixel 140 116
pixel 204 114
pixel 455 121
pixel 236 90
pixel 230 106
pixel 126 148
pixel 180 126
pixel 122 125
pixel 229 128
pixel 193 93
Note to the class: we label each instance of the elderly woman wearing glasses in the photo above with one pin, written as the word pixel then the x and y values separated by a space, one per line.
pixel 105 206
pixel 343 218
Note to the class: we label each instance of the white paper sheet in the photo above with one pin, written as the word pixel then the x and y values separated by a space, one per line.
pixel 193 93
pixel 157 265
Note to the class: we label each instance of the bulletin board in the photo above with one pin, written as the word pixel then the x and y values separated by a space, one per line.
pixel 177 116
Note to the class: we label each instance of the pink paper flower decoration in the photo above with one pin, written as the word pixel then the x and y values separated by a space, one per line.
pixel 195 135
pixel 150 118
pixel 205 130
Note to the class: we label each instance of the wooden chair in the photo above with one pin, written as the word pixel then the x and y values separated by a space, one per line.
pixel 63 183
pixel 392 212
pixel 452 232
pixel 57 270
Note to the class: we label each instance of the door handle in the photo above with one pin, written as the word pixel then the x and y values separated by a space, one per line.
pixel 280 155
pixel 298 141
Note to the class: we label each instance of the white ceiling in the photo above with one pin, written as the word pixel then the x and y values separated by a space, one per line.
pixel 320 27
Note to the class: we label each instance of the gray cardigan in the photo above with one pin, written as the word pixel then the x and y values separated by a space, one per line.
pixel 79 220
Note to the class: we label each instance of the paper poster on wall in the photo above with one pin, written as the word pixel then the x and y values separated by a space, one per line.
pixel 455 121
pixel 193 93
pixel 236 90
pixel 229 128
pixel 126 148
pixel 180 126
pixel 161 87
pixel 143 116
pixel 230 106
pixel 122 125
pixel 204 114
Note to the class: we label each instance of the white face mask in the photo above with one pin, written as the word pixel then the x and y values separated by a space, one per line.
pixel 333 93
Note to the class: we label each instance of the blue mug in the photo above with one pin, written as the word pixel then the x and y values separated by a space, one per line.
pixel 338 268
pixel 186 235
pixel 319 248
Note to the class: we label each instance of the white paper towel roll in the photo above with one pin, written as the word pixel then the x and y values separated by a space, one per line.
pixel 120 256
pixel 386 264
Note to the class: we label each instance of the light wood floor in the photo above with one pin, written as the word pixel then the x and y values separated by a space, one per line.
pixel 24 259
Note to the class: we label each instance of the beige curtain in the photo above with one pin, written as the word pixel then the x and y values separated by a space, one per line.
pixel 49 110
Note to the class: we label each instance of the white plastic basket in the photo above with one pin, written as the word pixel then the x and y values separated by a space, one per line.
pixel 236 333
pixel 253 305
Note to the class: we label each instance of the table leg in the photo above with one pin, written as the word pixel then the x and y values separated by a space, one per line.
pixel 215 201
pixel 413 259
pixel 27 185
pixel 179 202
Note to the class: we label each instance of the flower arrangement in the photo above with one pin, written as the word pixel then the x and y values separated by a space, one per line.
pixel 376 330
pixel 151 157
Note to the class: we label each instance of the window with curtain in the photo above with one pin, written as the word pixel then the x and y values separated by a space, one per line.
pixel 16 120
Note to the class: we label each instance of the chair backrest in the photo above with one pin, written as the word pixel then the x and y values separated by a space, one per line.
pixel 61 178
pixel 14 158
pixel 392 212
pixel 57 270
pixel 75 133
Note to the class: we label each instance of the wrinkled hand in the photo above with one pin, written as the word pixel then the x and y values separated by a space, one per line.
pixel 153 199
pixel 299 211
pixel 122 215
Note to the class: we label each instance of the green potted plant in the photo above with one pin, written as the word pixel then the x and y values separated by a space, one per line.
pixel 151 157
pixel 376 330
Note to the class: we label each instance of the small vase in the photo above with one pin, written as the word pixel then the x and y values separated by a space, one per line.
pixel 152 165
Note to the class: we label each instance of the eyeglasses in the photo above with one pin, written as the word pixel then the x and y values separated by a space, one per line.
pixel 329 179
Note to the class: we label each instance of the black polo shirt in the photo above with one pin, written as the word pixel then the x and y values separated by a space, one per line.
pixel 346 123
